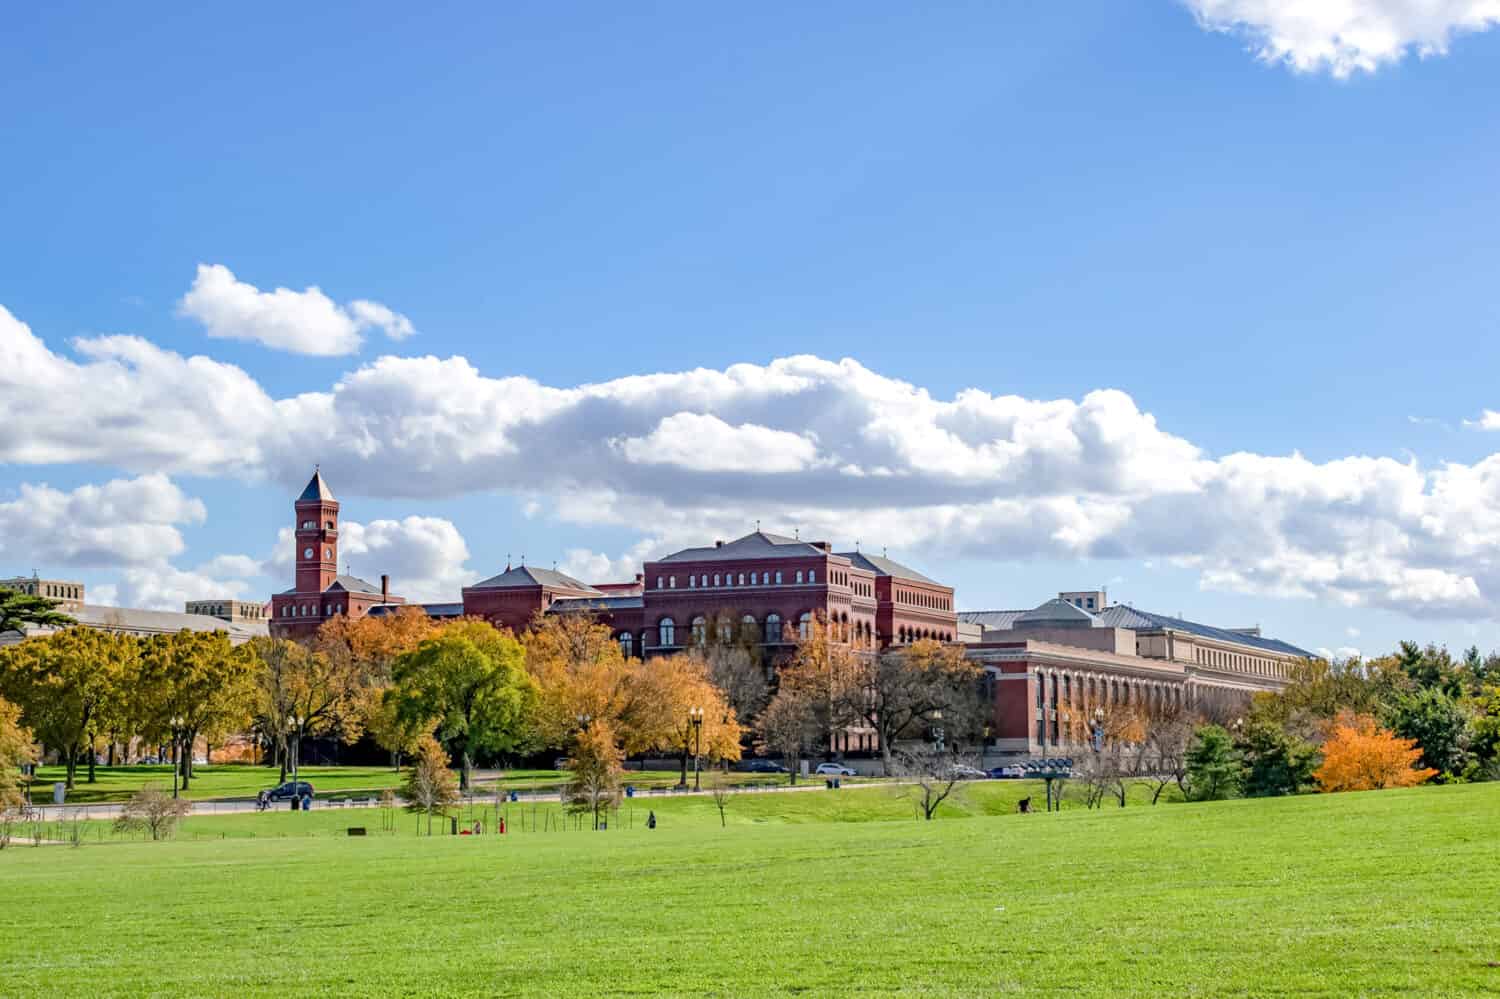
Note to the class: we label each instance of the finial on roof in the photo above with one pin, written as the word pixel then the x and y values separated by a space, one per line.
pixel 507 561
pixel 856 545
pixel 882 551
pixel 797 533
pixel 757 525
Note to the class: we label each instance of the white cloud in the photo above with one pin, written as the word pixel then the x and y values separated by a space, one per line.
pixel 830 447
pixel 122 522
pixel 1342 37
pixel 302 322
pixel 1343 653
pixel 1488 420
pixel 426 557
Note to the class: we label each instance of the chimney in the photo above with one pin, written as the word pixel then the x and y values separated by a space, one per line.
pixel 640 577
pixel 718 544
pixel 826 546
pixel 385 588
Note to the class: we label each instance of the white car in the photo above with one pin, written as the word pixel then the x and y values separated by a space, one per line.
pixel 834 770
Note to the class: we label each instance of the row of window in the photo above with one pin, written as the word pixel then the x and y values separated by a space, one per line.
pixel 1236 661
pixel 312 525
pixel 309 610
pixel 1090 692
pixel 727 579
pixel 932 601
pixel 905 635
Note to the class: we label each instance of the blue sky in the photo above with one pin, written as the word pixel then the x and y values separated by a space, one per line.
pixel 1274 237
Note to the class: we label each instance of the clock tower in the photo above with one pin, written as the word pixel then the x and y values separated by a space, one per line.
pixel 317 536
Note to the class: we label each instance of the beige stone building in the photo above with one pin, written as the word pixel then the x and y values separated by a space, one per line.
pixel 233 611
pixel 67 592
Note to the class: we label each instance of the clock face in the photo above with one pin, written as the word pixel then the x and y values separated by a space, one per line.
pixel 307 553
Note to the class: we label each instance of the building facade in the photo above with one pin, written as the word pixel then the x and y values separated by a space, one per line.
pixel 1053 668
pixel 233 611
pixel 320 592
pixel 68 593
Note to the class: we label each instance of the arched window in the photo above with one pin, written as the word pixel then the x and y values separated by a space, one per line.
pixel 749 627
pixel 804 626
pixel 742 579
pixel 752 579
pixel 812 575
pixel 700 630
pixel 658 582
pixel 666 632
pixel 773 628
pixel 799 575
pixel 716 579
pixel 692 581
pixel 778 577
pixel 627 644
pixel 671 582
pixel 726 631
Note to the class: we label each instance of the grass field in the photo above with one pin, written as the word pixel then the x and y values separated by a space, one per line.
pixel 243 781
pixel 1379 894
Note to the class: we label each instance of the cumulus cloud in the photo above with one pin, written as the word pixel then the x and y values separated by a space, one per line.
pixel 1342 37
pixel 1488 420
pixel 122 522
pixel 302 322
pixel 426 557
pixel 830 447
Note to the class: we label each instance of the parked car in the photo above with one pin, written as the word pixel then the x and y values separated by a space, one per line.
pixel 290 790
pixel 147 761
pixel 1007 773
pixel 761 767
pixel 963 772
pixel 562 763
pixel 834 770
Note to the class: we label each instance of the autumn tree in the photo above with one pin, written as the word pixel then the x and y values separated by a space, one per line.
pixel 204 682
pixel 364 651
pixel 430 789
pixel 908 687
pixel 823 676
pixel 18 610
pixel 735 662
pixel 472 679
pixel 1359 755
pixel 1167 734
pixel 678 690
pixel 16 751
pixel 153 810
pixel 581 673
pixel 65 684
pixel 320 686
pixel 596 771
pixel 787 728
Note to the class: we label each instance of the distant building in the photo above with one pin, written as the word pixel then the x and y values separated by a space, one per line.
pixel 68 593
pixel 321 592
pixel 145 623
pixel 1053 667
pixel 233 611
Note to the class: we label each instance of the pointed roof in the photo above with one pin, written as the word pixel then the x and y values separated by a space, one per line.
pixel 525 575
pixel 756 544
pixel 353 584
pixel 882 566
pixel 1058 613
pixel 317 490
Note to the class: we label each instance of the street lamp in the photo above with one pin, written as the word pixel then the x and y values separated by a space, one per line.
pixel 297 722
pixel 1098 735
pixel 176 722
pixel 695 718
pixel 937 731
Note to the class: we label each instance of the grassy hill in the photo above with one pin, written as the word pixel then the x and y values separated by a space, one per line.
pixel 1379 893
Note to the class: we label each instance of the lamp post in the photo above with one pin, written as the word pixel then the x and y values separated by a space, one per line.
pixel 176 723
pixel 695 718
pixel 937 731
pixel 1098 733
pixel 297 722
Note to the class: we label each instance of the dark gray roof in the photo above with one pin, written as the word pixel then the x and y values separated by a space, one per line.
pixel 991 619
pixel 525 575
pixel 882 566
pixel 598 603
pixel 757 544
pixel 1125 616
pixel 163 622
pixel 1057 613
pixel 353 584
pixel 316 489
pixel 431 610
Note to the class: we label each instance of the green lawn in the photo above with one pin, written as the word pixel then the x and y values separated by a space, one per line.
pixel 1382 893
pixel 238 780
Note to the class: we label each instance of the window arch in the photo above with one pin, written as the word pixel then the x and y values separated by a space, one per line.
pixel 804 625
pixel 726 630
pixel 778 577
pixel 666 632
pixel 700 630
pixel 671 582
pixel 773 628
pixel 627 644
pixel 749 627
pixel 716 579
pixel 692 581
pixel 812 575
pixel 799 575
pixel 753 579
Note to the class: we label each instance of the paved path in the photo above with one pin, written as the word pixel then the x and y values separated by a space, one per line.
pixel 242 806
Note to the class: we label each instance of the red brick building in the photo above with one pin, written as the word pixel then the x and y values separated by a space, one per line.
pixel 320 592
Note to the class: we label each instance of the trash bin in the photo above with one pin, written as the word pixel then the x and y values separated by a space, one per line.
pixel 629 791
pixel 514 796
pixel 59 793
pixel 296 802
pixel 837 783
pixel 307 802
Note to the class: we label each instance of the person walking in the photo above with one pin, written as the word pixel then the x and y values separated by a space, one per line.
pixel 651 820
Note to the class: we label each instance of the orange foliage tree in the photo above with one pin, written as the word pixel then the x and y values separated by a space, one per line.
pixel 1359 755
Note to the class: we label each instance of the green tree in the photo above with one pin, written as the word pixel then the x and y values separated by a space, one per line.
pixel 473 680
pixel 200 679
pixel 1276 762
pixel 18 609
pixel 16 750
pixel 1214 769
pixel 1440 725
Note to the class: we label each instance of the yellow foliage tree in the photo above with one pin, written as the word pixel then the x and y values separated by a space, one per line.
pixel 1359 755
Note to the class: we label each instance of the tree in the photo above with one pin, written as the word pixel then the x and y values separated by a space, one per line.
pixel 1168 733
pixel 718 786
pixel 933 774
pixel 153 810
pixel 596 771
pixel 581 672
pixel 16 750
pixel 17 610
pixel 822 674
pixel 1276 762
pixel 908 687
pixel 1439 724
pixel 1359 755
pixel 676 687
pixel 738 669
pixel 65 684
pixel 202 681
pixel 429 786
pixel 1214 771
pixel 788 727
pixel 320 687
pixel 472 679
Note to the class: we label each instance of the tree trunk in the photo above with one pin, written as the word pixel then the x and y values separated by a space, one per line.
pixel 466 763
pixel 114 737
pixel 185 754
pixel 93 779
pixel 283 752
pixel 72 761
pixel 885 755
